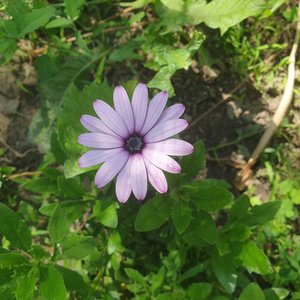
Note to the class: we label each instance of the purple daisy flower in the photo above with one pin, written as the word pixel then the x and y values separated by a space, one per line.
pixel 133 142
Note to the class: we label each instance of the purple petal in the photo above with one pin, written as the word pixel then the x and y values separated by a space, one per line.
pixel 173 112
pixel 139 105
pixel 100 140
pixel 96 156
pixel 95 125
pixel 172 147
pixel 124 183
pixel 123 107
pixel 110 168
pixel 110 118
pixel 156 177
pixel 165 130
pixel 162 161
pixel 154 111
pixel 138 176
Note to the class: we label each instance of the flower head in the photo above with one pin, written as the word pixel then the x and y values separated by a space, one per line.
pixel 133 142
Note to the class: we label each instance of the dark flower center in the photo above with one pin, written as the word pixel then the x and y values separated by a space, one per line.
pixel 134 144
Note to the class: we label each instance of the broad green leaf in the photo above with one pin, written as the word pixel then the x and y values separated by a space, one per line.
pixel 61 22
pixel 106 213
pixel 73 8
pixel 252 291
pixel 8 48
pixel 202 227
pixel 78 247
pixel 239 232
pixel 199 290
pixel 192 272
pixel 153 214
pixel 125 52
pixel 276 293
pixel 158 279
pixel 6 275
pixel 136 276
pixel 76 104
pixel 70 188
pixel 114 243
pixel 192 164
pixel 261 214
pixel 208 183
pixel 42 185
pixel 212 199
pixel 252 258
pixel 11 259
pixel 36 18
pixel 14 229
pixel 53 92
pixel 56 150
pixel 181 215
pixel 26 286
pixel 239 208
pixel 72 279
pixel 73 209
pixel 51 284
pixel 224 269
pixel 58 224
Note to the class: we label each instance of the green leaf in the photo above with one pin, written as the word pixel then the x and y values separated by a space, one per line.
pixel 61 22
pixel 225 13
pixel 42 185
pixel 72 279
pixel 106 213
pixel 239 232
pixel 252 291
pixel 53 92
pixel 136 276
pixel 153 214
pixel 70 188
pixel 11 259
pixel 202 227
pixel 239 208
pixel 125 52
pixel 224 269
pixel 261 214
pixel 5 275
pixel 212 199
pixel 73 8
pixel 199 290
pixel 14 229
pixel 276 293
pixel 26 286
pixel 193 163
pixel 8 48
pixel 252 258
pixel 36 18
pixel 78 247
pixel 58 153
pixel 136 4
pixel 181 214
pixel 58 224
pixel 208 183
pixel 69 127
pixel 114 243
pixel 51 284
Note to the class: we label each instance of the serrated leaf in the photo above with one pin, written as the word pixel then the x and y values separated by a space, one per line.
pixel 261 214
pixel 224 269
pixel 41 185
pixel 58 224
pixel 239 208
pixel 73 8
pixel 61 22
pixel 70 188
pixel 14 229
pixel 153 214
pixel 26 286
pixel 106 213
pixel 51 284
pixel 114 243
pixel 252 258
pixel 69 127
pixel 78 247
pixel 252 291
pixel 11 259
pixel 181 215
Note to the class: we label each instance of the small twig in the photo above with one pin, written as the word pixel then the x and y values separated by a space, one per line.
pixel 237 164
pixel 12 176
pixel 15 152
pixel 244 177
pixel 226 97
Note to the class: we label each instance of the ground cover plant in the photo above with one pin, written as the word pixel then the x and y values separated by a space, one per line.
pixel 100 197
